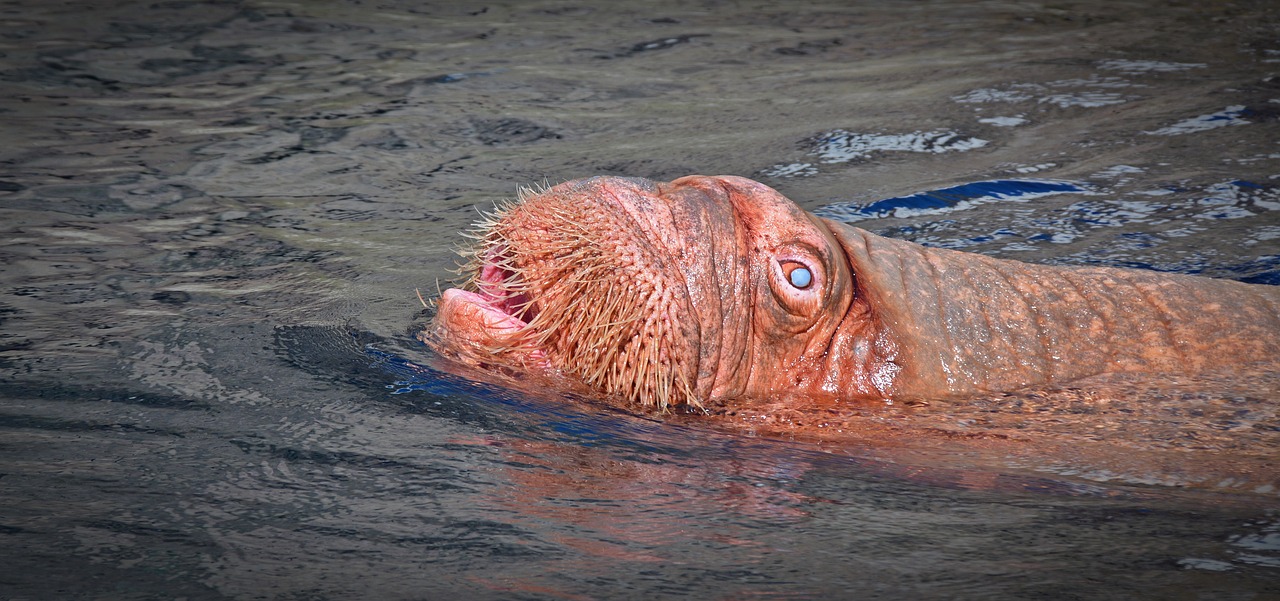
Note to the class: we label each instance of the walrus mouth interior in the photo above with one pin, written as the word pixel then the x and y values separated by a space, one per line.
pixel 559 279
pixel 499 284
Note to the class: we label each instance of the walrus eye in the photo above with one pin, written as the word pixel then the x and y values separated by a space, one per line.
pixel 798 282
pixel 800 277
pixel 798 274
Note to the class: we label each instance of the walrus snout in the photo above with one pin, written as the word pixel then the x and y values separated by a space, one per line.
pixel 587 278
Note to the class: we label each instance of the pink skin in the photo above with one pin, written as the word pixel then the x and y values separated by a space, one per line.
pixel 879 318
pixel 483 317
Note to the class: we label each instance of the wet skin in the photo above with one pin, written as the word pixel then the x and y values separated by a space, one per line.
pixel 711 289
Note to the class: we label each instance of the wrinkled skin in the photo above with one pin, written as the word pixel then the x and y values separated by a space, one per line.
pixel 675 293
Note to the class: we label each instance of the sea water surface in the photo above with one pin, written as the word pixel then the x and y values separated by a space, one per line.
pixel 215 216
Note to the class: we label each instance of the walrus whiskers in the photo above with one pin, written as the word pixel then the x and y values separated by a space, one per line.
pixel 562 279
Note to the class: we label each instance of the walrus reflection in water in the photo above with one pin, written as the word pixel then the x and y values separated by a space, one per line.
pixel 715 289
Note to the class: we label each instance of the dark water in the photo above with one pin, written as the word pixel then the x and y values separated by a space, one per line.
pixel 216 214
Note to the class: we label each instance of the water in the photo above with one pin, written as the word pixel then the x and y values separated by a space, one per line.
pixel 216 215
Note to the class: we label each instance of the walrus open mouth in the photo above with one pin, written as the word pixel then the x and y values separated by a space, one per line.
pixel 499 285
pixel 574 287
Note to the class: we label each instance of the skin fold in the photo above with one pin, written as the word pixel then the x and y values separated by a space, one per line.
pixel 713 289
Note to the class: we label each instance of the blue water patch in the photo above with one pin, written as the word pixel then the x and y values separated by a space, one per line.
pixel 556 419
pixel 950 199
pixel 1142 220
pixel 1263 270
pixel 1232 115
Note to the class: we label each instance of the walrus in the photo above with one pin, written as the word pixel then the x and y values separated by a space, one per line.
pixel 708 289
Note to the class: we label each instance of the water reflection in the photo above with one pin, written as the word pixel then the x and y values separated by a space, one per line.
pixel 616 482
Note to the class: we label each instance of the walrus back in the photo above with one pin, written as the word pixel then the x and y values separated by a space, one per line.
pixel 970 323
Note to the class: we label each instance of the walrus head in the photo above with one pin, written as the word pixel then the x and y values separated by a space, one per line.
pixel 658 294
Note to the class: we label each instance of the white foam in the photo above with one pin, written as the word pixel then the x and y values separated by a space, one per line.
pixel 1024 169
pixel 791 170
pixel 1226 213
pixel 1016 93
pixel 1004 121
pixel 1064 93
pixel 1084 99
pixel 1094 82
pixel 1117 171
pixel 1136 66
pixel 1222 118
pixel 840 146
pixel 1211 565
pixel 1258 157
pixel 1266 232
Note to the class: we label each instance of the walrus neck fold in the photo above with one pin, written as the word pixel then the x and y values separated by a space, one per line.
pixel 866 358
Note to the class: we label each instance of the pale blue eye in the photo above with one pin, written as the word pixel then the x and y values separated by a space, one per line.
pixel 800 277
